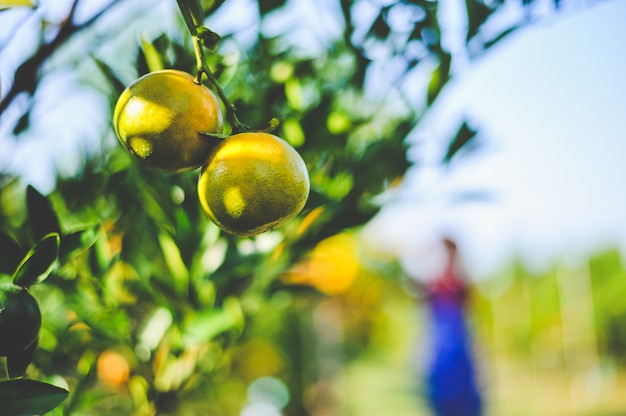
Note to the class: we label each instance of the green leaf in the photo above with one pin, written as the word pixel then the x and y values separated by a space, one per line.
pixel 18 363
pixel 294 134
pixel 151 55
pixel 477 14
pixel 500 36
pixel 208 324
pixel 174 261
pixel 440 76
pixel 10 253
pixel 109 74
pixel 41 217
pixel 5 4
pixel 380 29
pixel 214 136
pixel 100 259
pixel 463 137
pixel 76 242
pixel 209 39
pixel 266 6
pixel 38 262
pixel 155 327
pixel 293 91
pixel 22 124
pixel 25 397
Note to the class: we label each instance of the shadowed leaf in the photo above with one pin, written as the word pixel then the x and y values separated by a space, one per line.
pixel 29 397
pixel 380 29
pixel 22 124
pixel 462 138
pixel 18 363
pixel 499 37
pixel 106 70
pixel 209 39
pixel 477 14
pixel 41 217
pixel 38 262
pixel 266 6
pixel 10 253
pixel 74 243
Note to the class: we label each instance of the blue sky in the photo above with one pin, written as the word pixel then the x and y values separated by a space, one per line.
pixel 550 105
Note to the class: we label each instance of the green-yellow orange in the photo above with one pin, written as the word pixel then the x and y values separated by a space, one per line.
pixel 160 117
pixel 253 182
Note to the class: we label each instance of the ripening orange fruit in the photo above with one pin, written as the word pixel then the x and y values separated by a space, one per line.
pixel 252 183
pixel 112 368
pixel 159 118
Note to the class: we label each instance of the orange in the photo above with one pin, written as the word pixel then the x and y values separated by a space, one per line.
pixel 332 267
pixel 112 368
pixel 252 183
pixel 159 118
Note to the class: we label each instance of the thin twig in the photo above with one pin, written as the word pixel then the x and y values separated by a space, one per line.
pixel 203 68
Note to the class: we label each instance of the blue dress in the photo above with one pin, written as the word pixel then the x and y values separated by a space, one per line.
pixel 451 383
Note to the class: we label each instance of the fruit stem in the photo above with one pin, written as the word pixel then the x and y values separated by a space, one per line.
pixel 203 68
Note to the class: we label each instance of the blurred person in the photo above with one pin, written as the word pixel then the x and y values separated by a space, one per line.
pixel 451 382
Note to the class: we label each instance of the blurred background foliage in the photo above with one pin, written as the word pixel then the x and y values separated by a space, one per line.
pixel 155 311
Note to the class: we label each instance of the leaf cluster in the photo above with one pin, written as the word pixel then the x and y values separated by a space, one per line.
pixel 52 246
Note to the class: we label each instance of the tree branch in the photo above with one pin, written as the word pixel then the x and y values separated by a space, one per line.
pixel 25 79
